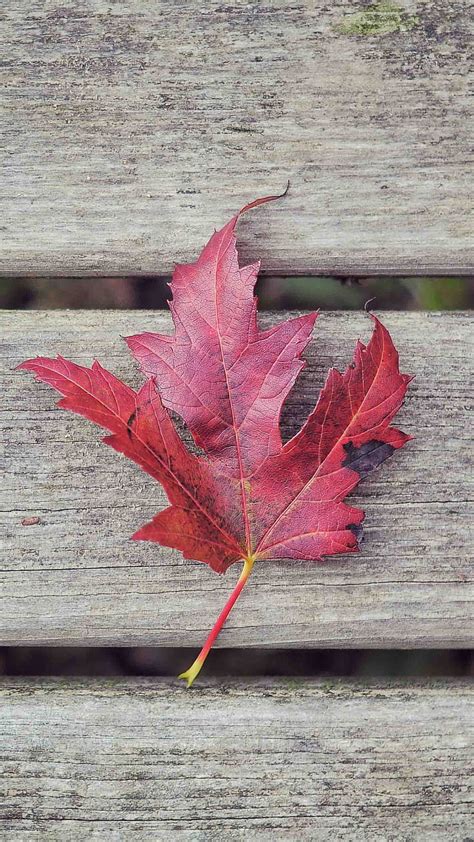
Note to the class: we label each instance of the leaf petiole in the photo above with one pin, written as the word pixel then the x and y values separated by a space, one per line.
pixel 191 674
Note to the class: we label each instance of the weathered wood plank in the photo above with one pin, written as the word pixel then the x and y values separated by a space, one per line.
pixel 75 578
pixel 132 130
pixel 255 761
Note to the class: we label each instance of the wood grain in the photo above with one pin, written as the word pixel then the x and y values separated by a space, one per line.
pixel 75 578
pixel 132 129
pixel 288 760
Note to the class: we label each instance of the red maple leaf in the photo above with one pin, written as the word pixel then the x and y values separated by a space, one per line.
pixel 249 496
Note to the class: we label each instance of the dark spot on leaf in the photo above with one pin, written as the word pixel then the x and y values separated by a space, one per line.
pixel 357 529
pixel 134 416
pixel 130 422
pixel 366 457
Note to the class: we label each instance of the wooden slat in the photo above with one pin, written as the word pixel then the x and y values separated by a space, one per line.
pixel 257 761
pixel 132 130
pixel 75 578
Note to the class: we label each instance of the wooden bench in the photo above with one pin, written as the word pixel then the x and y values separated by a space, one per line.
pixel 241 760
pixel 134 129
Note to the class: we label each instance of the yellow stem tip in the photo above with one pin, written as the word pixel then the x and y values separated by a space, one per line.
pixel 192 673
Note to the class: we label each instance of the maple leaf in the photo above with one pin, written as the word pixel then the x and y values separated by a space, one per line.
pixel 248 496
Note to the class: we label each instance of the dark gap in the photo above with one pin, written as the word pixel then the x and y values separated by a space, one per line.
pixel 154 661
pixel 275 293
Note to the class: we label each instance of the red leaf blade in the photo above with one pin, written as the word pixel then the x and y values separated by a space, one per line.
pixel 143 431
pixel 249 496
pixel 347 435
pixel 206 371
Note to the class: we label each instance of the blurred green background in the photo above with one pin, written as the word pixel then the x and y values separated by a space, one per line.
pixel 274 293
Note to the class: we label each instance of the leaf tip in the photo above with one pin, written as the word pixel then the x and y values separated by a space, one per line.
pixel 262 201
pixel 367 307
pixel 26 365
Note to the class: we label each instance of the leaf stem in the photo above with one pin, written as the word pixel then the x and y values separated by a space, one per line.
pixel 196 666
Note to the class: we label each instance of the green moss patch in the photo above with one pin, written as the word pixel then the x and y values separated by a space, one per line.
pixel 377 19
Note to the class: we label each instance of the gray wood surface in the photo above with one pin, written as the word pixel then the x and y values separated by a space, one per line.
pixel 132 129
pixel 75 578
pixel 289 760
